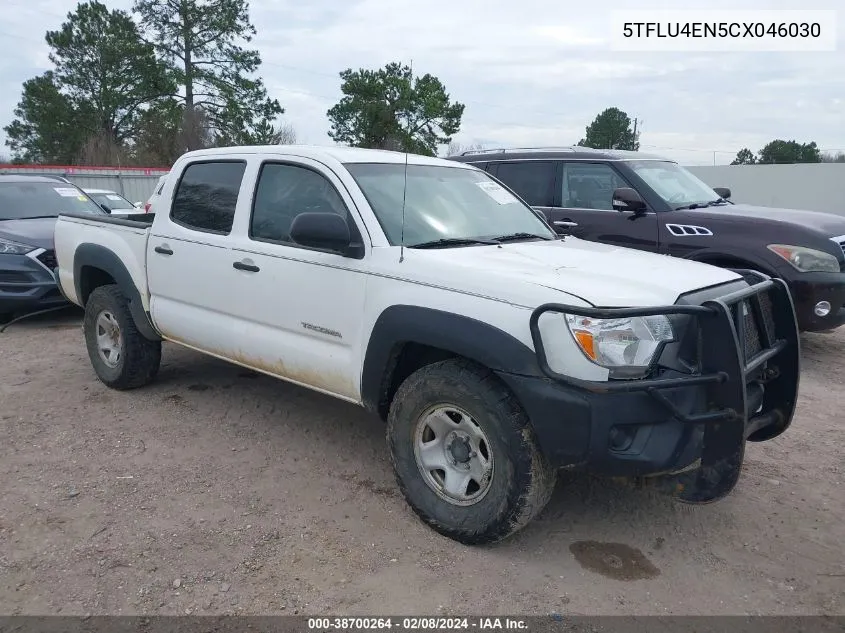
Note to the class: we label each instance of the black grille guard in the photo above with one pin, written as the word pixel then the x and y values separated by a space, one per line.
pixel 725 373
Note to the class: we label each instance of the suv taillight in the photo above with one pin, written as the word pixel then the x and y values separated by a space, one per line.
pixel 147 207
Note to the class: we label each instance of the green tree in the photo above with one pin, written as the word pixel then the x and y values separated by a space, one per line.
pixel 389 108
pixel 104 76
pixel 744 157
pixel 611 129
pixel 780 151
pixel 47 128
pixel 200 41
pixel 160 139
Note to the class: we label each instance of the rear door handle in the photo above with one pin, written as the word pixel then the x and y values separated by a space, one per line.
pixel 164 250
pixel 566 223
pixel 248 267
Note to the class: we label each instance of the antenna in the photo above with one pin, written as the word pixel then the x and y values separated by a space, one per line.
pixel 404 194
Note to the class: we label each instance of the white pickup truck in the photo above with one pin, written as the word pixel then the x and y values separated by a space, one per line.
pixel 497 351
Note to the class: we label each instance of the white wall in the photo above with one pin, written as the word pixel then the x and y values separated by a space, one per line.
pixel 812 186
pixel 134 184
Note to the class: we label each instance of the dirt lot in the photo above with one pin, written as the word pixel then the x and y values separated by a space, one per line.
pixel 218 491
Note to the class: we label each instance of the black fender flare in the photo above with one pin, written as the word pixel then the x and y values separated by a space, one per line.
pixel 100 257
pixel 454 333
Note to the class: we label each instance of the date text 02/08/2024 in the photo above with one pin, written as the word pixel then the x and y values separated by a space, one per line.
pixel 415 624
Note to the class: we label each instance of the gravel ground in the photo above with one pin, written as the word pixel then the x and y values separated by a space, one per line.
pixel 218 491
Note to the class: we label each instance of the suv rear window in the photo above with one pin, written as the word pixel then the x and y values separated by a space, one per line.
pixel 206 196
pixel 532 180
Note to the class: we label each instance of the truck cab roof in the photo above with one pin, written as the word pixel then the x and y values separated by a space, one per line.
pixel 338 153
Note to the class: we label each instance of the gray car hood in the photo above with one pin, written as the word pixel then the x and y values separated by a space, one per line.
pixel 36 232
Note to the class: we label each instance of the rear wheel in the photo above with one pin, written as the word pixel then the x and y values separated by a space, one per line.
pixel 464 454
pixel 121 356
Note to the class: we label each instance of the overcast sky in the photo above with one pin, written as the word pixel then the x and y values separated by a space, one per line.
pixel 531 72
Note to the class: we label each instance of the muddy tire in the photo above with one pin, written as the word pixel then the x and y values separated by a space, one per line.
pixel 464 454
pixel 122 358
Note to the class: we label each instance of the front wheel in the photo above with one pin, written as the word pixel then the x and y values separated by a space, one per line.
pixel 464 454
pixel 121 356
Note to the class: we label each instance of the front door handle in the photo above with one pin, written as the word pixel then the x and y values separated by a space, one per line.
pixel 164 250
pixel 248 267
pixel 569 224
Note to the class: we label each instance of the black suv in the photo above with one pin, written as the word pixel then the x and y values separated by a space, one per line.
pixel 649 203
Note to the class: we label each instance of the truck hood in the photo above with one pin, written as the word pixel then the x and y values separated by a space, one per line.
pixel 601 274
pixel 828 223
pixel 36 232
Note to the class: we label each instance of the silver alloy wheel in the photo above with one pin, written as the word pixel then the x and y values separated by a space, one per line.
pixel 453 455
pixel 109 339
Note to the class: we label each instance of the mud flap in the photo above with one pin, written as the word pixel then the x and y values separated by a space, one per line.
pixel 723 445
pixel 721 463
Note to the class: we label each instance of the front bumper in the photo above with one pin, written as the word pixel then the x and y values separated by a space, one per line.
pixel 808 289
pixel 27 283
pixel 743 386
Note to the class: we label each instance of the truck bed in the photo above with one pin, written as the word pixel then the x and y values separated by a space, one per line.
pixel 123 239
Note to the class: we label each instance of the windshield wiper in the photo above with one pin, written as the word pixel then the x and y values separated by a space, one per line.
pixel 452 241
pixel 510 237
pixel 702 205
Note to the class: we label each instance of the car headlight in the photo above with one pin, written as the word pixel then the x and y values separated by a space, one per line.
pixel 8 247
pixel 806 259
pixel 626 347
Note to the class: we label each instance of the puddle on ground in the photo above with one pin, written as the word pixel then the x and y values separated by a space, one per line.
pixel 613 560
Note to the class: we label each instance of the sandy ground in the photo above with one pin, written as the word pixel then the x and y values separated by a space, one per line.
pixel 218 491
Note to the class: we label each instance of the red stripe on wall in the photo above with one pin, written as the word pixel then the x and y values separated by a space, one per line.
pixel 72 169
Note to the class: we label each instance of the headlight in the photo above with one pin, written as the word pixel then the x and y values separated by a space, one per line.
pixel 626 347
pixel 806 259
pixel 7 247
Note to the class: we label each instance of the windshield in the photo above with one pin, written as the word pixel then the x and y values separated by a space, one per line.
pixel 443 203
pixel 22 200
pixel 111 200
pixel 673 183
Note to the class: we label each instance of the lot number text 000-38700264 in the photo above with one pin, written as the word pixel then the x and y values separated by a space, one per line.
pixel 415 623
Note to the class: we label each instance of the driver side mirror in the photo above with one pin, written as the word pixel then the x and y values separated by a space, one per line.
pixel 105 208
pixel 627 199
pixel 325 231
pixel 722 192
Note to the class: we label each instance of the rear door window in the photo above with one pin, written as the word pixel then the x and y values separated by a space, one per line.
pixel 207 195
pixel 532 180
